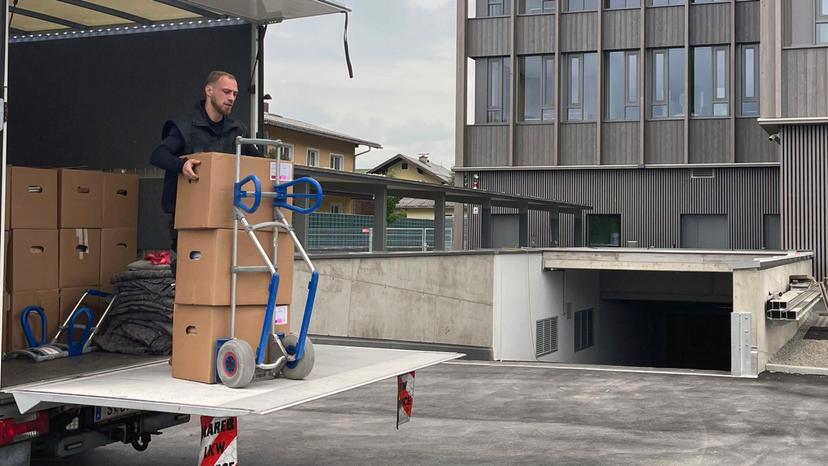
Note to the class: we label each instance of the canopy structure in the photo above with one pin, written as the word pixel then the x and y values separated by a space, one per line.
pixel 61 18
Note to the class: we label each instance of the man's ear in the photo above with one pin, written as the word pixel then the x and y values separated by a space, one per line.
pixel 208 90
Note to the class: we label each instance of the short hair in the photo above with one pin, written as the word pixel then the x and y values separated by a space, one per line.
pixel 214 76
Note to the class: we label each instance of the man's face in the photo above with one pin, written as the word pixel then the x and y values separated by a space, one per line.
pixel 221 95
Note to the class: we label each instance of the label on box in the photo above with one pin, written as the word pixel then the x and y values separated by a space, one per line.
pixel 280 314
pixel 273 169
pixel 286 173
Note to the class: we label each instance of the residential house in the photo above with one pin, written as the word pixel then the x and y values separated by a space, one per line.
pixel 415 169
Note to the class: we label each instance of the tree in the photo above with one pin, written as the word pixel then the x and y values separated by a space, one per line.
pixel 392 214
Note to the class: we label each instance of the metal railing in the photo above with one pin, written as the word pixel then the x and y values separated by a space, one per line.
pixel 361 239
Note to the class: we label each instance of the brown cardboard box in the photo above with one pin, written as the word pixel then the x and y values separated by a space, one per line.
pixel 118 250
pixel 195 331
pixel 50 302
pixel 34 198
pixel 204 262
pixel 80 257
pixel 33 260
pixel 208 201
pixel 7 201
pixel 120 200
pixel 69 298
pixel 81 198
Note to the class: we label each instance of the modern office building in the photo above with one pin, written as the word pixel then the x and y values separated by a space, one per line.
pixel 649 111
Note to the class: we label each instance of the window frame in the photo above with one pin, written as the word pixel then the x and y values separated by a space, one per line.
pixel 308 157
pixel 714 75
pixel 627 102
pixel 820 19
pixel 742 82
pixel 505 6
pixel 580 104
pixel 669 3
pixel 666 101
pixel 546 105
pixel 626 3
pixel 404 166
pixel 591 218
pixel 543 11
pixel 338 157
pixel 583 329
pixel 337 205
pixel 282 147
pixel 500 108
pixel 568 6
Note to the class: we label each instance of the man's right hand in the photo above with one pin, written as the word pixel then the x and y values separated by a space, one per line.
pixel 188 170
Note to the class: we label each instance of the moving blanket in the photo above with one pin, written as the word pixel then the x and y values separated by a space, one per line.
pixel 140 322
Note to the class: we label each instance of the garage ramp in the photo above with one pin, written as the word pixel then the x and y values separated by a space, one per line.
pixel 152 388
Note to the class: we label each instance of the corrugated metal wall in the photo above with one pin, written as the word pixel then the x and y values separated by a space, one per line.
pixel 650 201
pixel 804 188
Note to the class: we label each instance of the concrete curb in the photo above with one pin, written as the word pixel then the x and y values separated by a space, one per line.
pixel 801 370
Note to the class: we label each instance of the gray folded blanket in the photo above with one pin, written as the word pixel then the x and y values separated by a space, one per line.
pixel 140 321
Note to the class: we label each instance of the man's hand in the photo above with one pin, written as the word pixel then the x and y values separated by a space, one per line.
pixel 188 170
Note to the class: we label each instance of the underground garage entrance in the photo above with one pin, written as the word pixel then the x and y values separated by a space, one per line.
pixel 669 309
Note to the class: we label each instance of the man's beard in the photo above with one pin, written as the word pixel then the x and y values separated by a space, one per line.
pixel 220 108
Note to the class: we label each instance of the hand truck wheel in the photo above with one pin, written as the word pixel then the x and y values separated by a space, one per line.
pixel 298 370
pixel 236 363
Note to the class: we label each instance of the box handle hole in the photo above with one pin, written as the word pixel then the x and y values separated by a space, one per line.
pixel 35 189
pixel 195 255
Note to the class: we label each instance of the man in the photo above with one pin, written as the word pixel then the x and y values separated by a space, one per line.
pixel 209 128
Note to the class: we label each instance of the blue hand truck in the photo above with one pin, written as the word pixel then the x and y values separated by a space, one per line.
pixel 43 350
pixel 290 356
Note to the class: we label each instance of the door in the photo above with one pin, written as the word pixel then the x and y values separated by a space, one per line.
pixel 704 232
pixel 505 231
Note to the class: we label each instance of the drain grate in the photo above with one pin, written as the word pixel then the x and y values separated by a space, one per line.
pixel 816 333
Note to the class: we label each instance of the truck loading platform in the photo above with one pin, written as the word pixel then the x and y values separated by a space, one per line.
pixel 149 387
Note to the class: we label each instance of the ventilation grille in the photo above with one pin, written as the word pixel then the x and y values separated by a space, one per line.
pixel 546 336
pixel 702 173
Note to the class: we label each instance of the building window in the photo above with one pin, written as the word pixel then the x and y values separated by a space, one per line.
pixel 580 5
pixel 621 84
pixel 336 208
pixel 581 85
pixel 313 157
pixel 499 7
pixel 710 81
pixel 604 231
pixel 822 22
pixel 668 95
pixel 584 325
pixel 285 152
pixel 536 7
pixel 337 162
pixel 404 166
pixel 771 232
pixel 420 171
pixel 749 82
pixel 710 1
pixel 665 2
pixel 536 88
pixel 498 90
pixel 621 4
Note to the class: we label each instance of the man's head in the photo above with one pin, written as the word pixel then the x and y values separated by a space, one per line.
pixel 220 91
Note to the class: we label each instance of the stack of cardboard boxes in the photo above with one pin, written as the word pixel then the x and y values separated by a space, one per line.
pixel 204 220
pixel 70 230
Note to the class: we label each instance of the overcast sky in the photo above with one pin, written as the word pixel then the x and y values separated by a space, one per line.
pixel 402 94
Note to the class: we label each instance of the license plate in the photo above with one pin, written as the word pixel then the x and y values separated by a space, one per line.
pixel 103 413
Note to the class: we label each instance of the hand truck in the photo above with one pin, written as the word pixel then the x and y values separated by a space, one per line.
pixel 39 350
pixel 290 355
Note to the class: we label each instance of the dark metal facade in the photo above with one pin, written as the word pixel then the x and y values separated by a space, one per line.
pixel 804 188
pixel 650 201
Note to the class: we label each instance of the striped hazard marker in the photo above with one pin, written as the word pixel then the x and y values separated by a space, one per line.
pixel 218 441
pixel 405 398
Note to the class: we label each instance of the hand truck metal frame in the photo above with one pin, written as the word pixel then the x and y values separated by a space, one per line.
pixel 290 355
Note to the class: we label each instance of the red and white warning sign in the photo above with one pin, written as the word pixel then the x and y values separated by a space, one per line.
pixel 405 397
pixel 218 441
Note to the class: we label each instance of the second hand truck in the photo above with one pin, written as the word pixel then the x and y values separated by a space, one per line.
pixel 290 355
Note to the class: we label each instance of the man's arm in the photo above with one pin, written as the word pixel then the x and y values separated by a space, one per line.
pixel 167 155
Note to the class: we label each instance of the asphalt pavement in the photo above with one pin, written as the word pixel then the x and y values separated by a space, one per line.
pixel 472 413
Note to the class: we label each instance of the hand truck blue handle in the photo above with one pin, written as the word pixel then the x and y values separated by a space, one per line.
pixel 27 329
pixel 282 196
pixel 239 193
pixel 77 348
pixel 98 293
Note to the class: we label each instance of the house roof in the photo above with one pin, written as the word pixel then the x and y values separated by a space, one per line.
pixel 271 119
pixel 413 203
pixel 436 170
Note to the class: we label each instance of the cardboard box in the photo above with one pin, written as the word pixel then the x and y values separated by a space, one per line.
pixel 204 263
pixel 33 260
pixel 34 198
pixel 81 198
pixel 80 257
pixel 120 201
pixel 119 248
pixel 7 202
pixel 208 201
pixel 195 331
pixel 49 300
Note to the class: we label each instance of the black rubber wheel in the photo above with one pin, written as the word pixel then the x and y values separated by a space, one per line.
pixel 300 369
pixel 236 363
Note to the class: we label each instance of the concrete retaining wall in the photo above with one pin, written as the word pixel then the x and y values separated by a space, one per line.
pixel 443 299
